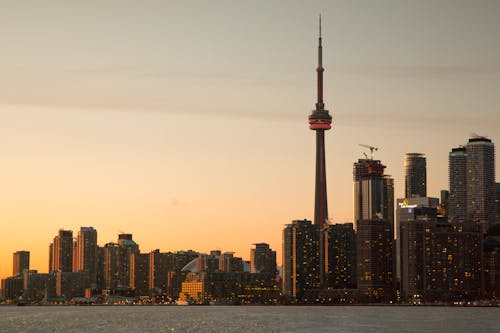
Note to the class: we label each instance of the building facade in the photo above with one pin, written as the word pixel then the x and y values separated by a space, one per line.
pixel 263 259
pixel 457 171
pixel 341 256
pixel 480 182
pixel 62 252
pixel 415 175
pixel 86 254
pixel 374 218
pixel 20 262
pixel 300 259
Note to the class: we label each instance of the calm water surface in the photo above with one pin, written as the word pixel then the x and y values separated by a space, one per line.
pixel 364 319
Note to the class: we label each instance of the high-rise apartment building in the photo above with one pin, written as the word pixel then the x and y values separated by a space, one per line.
pixel 160 264
pixel 341 256
pixel 111 269
pixel 457 172
pixel 139 273
pixel 300 259
pixel 21 262
pixel 480 181
pixel 415 175
pixel 127 246
pixel 374 218
pixel 62 251
pixel 262 259
pixel 497 201
pixel 86 253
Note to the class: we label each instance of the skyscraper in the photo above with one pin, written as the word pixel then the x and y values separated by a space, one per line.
pixel 320 121
pixel 111 266
pixel 497 200
pixel 480 181
pixel 300 259
pixel 415 175
pixel 457 172
pixel 341 256
pixel 21 262
pixel 86 253
pixel 62 251
pixel 374 217
pixel 127 246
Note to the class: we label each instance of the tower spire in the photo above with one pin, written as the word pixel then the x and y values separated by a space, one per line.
pixel 319 104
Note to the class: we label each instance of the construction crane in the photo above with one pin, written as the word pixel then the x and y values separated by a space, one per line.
pixel 372 149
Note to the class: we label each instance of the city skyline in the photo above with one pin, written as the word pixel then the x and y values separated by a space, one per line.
pixel 187 144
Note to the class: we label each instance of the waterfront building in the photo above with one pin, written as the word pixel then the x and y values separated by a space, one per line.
pixel 341 256
pixel 415 175
pixel 20 262
pixel 497 201
pixel 457 172
pixel 70 284
pixel 62 252
pixel 374 220
pixel 300 272
pixel 86 254
pixel 440 260
pixel 159 266
pixel 35 285
pixel 480 181
pixel 492 263
pixel 12 287
pixel 111 266
pixel 263 259
pixel 127 246
pixel 139 273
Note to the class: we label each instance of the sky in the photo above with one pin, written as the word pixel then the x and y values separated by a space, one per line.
pixel 185 122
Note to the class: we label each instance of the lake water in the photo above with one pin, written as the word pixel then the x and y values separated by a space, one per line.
pixel 364 319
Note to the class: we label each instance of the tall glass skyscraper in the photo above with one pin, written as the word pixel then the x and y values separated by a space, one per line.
pixel 457 172
pixel 374 218
pixel 300 259
pixel 86 253
pixel 480 181
pixel 415 175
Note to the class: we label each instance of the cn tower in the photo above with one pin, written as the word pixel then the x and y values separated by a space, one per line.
pixel 320 121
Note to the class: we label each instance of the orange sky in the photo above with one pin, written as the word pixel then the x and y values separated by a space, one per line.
pixel 186 124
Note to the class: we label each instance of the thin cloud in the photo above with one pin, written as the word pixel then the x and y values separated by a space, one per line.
pixel 428 71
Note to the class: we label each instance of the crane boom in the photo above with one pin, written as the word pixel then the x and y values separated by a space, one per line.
pixel 372 149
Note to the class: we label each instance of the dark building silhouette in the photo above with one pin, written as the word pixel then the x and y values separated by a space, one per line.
pixel 341 256
pixel 62 252
pixel 415 175
pixel 127 246
pixel 480 182
pixel 457 172
pixel 374 218
pixel 443 207
pixel 300 272
pixel 497 201
pixel 263 259
pixel 35 285
pixel 139 273
pixel 20 262
pixel 86 254
pixel 111 271
pixel 492 262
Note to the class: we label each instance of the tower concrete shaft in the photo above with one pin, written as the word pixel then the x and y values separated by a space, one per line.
pixel 320 201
